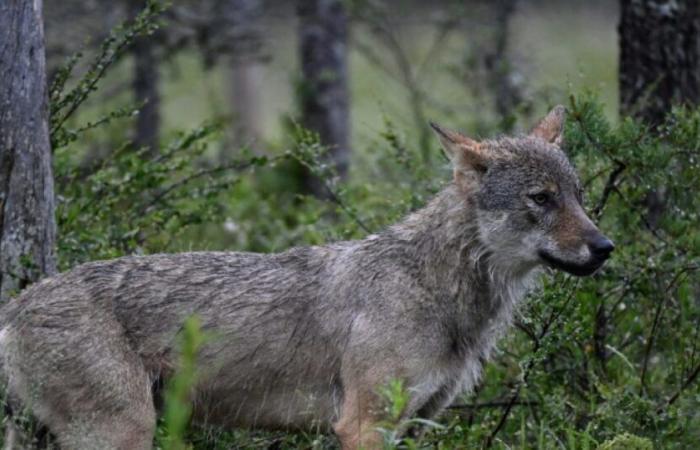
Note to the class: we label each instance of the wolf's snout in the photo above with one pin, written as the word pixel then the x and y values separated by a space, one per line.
pixel 601 247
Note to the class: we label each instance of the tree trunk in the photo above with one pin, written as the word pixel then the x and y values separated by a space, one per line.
pixel 323 30
pixel 507 95
pixel 27 221
pixel 145 85
pixel 246 88
pixel 659 57
pixel 243 18
pixel 659 66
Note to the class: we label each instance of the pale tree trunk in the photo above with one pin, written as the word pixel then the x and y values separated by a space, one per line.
pixel 27 221
pixel 507 95
pixel 323 32
pixel 246 93
pixel 659 57
pixel 247 69
pixel 145 86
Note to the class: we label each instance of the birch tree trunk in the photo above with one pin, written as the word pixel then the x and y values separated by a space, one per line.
pixel 246 34
pixel 27 221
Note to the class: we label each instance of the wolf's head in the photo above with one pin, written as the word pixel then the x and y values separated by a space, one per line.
pixel 528 198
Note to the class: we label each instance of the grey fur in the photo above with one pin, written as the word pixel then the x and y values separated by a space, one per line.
pixel 302 338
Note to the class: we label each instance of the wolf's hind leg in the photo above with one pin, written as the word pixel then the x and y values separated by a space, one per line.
pixel 122 417
pixel 105 431
pixel 359 418
pixel 92 390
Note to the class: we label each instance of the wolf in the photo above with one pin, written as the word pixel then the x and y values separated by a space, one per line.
pixel 305 338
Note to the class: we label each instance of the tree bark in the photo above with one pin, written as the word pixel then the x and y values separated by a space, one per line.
pixel 243 18
pixel 507 95
pixel 659 57
pixel 659 66
pixel 145 85
pixel 27 216
pixel 246 89
pixel 323 32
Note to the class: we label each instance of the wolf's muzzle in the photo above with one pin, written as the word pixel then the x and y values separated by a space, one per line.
pixel 601 247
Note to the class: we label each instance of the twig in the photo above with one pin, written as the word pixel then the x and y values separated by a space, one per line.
pixel 380 26
pixel 107 57
pixel 494 404
pixel 688 381
pixel 237 166
pixel 647 225
pixel 332 194
pixel 337 200
pixel 650 343
pixel 527 370
pixel 655 324
pixel 609 186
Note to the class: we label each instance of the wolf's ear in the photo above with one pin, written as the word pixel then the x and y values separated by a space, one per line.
pixel 551 128
pixel 467 155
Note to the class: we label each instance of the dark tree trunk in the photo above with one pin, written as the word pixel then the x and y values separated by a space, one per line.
pixel 659 57
pixel 27 221
pixel 507 95
pixel 659 65
pixel 145 85
pixel 323 30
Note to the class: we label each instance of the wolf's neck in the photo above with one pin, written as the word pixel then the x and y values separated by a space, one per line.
pixel 452 260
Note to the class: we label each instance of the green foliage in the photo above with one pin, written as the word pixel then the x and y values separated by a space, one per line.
pixel 130 200
pixel 397 399
pixel 627 441
pixel 177 408
pixel 138 202
pixel 396 425
pixel 65 102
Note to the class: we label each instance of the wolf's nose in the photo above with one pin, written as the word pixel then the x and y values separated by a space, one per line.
pixel 601 247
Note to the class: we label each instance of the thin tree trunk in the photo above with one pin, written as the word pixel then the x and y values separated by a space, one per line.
pixel 27 220
pixel 145 85
pixel 659 57
pixel 506 94
pixel 244 19
pixel 323 31
pixel 246 87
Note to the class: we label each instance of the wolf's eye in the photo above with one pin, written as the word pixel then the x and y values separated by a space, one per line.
pixel 540 198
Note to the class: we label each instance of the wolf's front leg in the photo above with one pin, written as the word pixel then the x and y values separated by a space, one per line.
pixel 360 415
